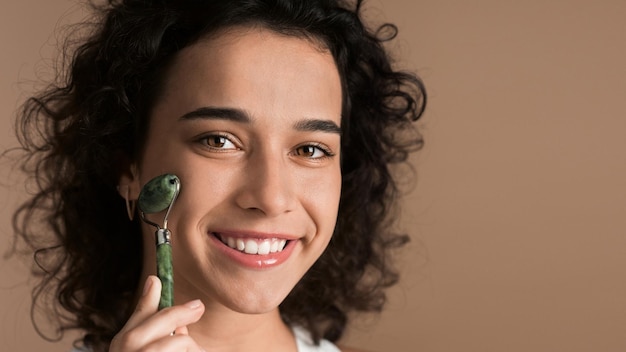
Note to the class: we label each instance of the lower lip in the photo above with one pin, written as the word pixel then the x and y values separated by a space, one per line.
pixel 256 261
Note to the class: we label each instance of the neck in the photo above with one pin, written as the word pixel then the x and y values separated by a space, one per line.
pixel 221 329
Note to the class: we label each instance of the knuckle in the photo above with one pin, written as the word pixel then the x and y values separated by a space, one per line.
pixel 128 341
pixel 119 342
pixel 130 338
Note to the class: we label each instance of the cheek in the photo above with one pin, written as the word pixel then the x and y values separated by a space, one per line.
pixel 202 189
pixel 322 201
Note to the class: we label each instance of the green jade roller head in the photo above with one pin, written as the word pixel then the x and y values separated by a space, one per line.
pixel 157 195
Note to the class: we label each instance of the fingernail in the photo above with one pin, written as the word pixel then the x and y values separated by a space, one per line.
pixel 193 304
pixel 146 286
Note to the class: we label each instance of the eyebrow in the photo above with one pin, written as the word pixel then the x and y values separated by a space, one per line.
pixel 207 112
pixel 312 125
pixel 238 115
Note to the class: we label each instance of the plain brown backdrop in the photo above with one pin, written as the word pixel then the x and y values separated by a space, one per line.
pixel 518 218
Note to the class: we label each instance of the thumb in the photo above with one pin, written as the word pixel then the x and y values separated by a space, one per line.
pixel 148 303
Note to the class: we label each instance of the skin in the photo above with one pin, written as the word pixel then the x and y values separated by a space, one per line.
pixel 268 166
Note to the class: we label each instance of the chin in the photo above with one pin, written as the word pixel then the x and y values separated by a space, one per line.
pixel 252 302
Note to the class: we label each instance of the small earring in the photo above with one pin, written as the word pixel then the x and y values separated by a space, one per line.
pixel 130 204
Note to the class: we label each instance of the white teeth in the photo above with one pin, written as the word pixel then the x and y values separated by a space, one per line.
pixel 255 246
pixel 241 245
pixel 251 247
pixel 264 247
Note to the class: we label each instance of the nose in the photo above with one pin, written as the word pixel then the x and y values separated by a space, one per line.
pixel 267 186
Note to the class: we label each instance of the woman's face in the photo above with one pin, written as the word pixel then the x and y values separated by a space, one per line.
pixel 250 122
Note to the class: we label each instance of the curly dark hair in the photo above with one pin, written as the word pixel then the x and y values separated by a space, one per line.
pixel 83 130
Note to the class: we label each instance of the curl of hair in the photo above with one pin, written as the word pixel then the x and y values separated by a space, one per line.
pixel 80 133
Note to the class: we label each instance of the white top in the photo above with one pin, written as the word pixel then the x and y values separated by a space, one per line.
pixel 303 341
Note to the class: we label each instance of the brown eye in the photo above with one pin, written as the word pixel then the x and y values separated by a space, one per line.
pixel 217 142
pixel 312 152
pixel 307 150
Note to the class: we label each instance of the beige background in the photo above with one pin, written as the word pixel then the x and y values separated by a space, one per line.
pixel 519 215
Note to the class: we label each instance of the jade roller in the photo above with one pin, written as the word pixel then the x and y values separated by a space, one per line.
pixel 156 196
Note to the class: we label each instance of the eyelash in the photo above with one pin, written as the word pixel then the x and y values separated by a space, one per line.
pixel 204 140
pixel 327 152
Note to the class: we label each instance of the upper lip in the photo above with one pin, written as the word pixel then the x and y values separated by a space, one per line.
pixel 254 234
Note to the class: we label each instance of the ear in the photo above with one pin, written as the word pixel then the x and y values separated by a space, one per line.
pixel 128 184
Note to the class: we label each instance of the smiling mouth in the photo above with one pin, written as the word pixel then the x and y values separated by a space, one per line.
pixel 253 245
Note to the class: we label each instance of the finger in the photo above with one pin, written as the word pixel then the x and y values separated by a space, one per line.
pixel 182 331
pixel 148 303
pixel 182 343
pixel 163 323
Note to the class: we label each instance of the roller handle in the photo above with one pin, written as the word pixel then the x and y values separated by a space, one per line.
pixel 165 270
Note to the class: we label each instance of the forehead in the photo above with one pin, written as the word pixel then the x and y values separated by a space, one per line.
pixel 248 63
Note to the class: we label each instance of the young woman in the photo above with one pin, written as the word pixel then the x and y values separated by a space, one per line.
pixel 282 119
